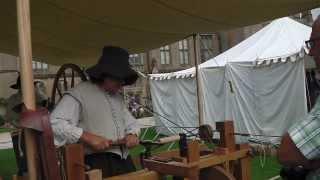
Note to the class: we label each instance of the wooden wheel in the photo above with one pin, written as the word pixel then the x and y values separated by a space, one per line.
pixel 65 79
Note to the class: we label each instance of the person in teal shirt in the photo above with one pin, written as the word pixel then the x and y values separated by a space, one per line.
pixel 300 146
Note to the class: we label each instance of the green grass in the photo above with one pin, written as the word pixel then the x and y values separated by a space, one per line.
pixel 8 165
pixel 270 169
pixel 2 130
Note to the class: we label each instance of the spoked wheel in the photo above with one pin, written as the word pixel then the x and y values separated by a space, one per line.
pixel 67 76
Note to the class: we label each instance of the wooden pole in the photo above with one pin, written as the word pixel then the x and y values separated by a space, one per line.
pixel 196 45
pixel 26 74
pixel 146 85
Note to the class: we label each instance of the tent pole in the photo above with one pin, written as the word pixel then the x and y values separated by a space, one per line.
pixel 196 47
pixel 26 74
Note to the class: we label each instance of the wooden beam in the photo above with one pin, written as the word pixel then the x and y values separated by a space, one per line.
pixel 95 174
pixel 212 160
pixel 196 46
pixel 138 175
pixel 227 139
pixel 74 162
pixel 193 152
pixel 26 74
pixel 169 154
pixel 172 168
pixel 243 168
pixel 193 156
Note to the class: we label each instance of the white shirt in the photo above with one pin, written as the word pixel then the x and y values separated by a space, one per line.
pixel 67 118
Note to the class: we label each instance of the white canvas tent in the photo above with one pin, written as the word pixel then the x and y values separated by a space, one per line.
pixel 259 83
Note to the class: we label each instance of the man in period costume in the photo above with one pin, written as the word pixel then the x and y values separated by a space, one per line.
pixel 94 114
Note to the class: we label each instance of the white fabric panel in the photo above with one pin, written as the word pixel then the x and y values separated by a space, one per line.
pixel 263 100
pixel 267 100
pixel 174 99
pixel 214 94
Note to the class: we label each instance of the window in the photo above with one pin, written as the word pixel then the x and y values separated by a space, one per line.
pixel 184 52
pixel 136 59
pixel 39 66
pixel 165 55
pixel 206 47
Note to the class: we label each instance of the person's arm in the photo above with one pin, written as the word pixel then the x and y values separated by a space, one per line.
pixel 289 154
pixel 132 129
pixel 65 119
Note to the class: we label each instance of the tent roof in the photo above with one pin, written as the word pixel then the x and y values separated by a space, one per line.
pixel 75 31
pixel 282 40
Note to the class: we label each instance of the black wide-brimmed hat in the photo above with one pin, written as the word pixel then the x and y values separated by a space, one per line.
pixel 114 62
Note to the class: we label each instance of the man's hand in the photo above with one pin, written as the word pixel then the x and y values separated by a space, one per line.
pixel 131 140
pixel 96 142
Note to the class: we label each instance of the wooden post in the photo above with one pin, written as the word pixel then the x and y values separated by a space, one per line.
pixel 243 169
pixel 196 39
pixel 227 139
pixel 74 162
pixel 146 83
pixel 26 74
pixel 193 156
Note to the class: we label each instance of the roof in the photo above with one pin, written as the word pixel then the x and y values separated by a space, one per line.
pixel 75 31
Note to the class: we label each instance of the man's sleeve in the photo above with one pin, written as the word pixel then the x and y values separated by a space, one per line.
pixel 306 135
pixel 132 125
pixel 64 120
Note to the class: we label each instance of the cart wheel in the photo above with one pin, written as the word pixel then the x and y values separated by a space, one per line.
pixel 66 78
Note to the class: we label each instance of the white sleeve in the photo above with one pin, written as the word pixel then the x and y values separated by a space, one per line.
pixel 132 125
pixel 64 121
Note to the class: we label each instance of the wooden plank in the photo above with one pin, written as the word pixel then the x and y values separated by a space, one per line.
pixel 243 168
pixel 227 139
pixel 211 160
pixel 95 174
pixel 169 154
pixel 16 177
pixel 216 172
pixel 172 168
pixel 176 153
pixel 74 162
pixel 138 175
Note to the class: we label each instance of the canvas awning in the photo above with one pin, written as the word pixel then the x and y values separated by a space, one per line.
pixel 75 31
